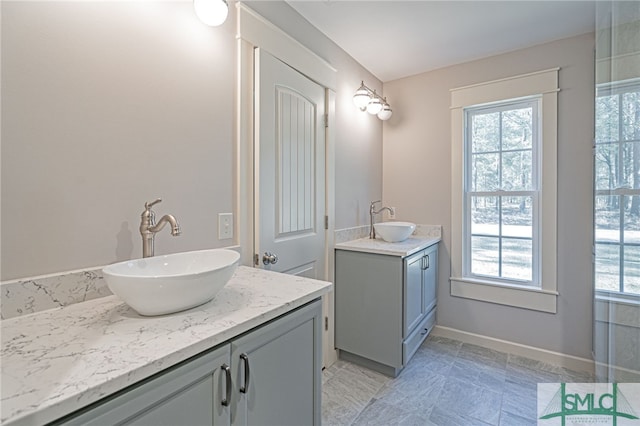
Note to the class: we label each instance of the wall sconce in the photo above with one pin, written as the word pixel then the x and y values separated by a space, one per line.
pixel 211 12
pixel 368 100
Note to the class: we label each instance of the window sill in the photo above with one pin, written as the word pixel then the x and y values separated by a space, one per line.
pixel 617 309
pixel 510 295
pixel 617 298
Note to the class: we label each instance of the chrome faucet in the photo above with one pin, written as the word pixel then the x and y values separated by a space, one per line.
pixel 148 227
pixel 372 212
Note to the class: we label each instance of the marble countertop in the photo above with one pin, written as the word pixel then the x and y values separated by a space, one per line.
pixel 57 361
pixel 404 248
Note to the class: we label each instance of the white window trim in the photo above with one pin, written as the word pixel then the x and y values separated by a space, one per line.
pixel 544 84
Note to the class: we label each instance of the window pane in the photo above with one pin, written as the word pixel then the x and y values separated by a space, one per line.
pixel 516 171
pixel 517 128
pixel 517 259
pixel 499 155
pixel 632 269
pixel 631 164
pixel 608 267
pixel 485 132
pixel 632 219
pixel 484 172
pixel 607 166
pixel 607 119
pixel 631 116
pixel 485 214
pixel 517 217
pixel 485 257
pixel 607 218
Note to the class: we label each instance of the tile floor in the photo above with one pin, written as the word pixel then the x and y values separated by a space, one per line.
pixel 446 383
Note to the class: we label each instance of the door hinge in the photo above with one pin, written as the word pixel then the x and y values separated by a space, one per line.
pixel 326 222
pixel 326 323
pixel 326 120
pixel 256 259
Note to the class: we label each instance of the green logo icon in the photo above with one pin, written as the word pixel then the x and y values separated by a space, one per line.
pixel 591 402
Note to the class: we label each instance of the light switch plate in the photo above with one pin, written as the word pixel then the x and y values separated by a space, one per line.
pixel 225 226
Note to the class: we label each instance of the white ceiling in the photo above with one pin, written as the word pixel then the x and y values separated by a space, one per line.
pixel 395 39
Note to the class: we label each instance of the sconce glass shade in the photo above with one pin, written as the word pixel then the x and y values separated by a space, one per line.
pixel 386 112
pixel 211 12
pixel 361 98
pixel 374 106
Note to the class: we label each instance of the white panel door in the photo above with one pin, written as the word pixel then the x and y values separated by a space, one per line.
pixel 290 169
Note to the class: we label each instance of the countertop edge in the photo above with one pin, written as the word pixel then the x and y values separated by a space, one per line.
pixel 412 245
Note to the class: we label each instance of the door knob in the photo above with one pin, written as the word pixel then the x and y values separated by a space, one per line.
pixel 269 258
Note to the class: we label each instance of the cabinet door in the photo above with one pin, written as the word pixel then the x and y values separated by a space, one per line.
pixel 413 299
pixel 430 278
pixel 277 371
pixel 191 393
pixel 369 306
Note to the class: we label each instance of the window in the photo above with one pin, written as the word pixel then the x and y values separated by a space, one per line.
pixel 504 173
pixel 617 189
pixel 501 192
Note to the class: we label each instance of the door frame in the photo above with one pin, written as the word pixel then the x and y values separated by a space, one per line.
pixel 255 31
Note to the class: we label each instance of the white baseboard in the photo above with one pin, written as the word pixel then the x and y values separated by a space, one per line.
pixel 612 373
pixel 556 358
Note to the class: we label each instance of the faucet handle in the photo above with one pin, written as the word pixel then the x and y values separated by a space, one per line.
pixel 373 203
pixel 149 204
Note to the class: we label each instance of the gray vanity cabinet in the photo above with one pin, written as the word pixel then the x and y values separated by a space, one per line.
pixel 385 306
pixel 270 375
pixel 278 379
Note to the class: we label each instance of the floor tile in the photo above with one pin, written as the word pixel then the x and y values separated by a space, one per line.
pixel 442 417
pixel 381 413
pixel 441 346
pixel 520 400
pixel 529 378
pixel 508 419
pixel 489 357
pixel 420 400
pixel 446 383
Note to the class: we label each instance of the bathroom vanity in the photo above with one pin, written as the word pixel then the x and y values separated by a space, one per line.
pixel 250 356
pixel 385 300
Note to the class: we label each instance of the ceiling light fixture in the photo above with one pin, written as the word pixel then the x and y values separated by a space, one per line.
pixel 368 100
pixel 211 12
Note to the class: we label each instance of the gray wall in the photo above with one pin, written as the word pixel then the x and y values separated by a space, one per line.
pixel 417 169
pixel 106 105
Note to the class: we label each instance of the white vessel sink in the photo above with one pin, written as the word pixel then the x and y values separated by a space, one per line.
pixel 394 232
pixel 165 284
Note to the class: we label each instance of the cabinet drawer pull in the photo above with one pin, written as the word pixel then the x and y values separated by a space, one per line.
pixel 245 388
pixel 425 262
pixel 425 331
pixel 227 373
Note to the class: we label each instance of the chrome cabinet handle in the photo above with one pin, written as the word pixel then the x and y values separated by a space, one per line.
pixel 428 262
pixel 227 372
pixel 245 388
pixel 269 258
